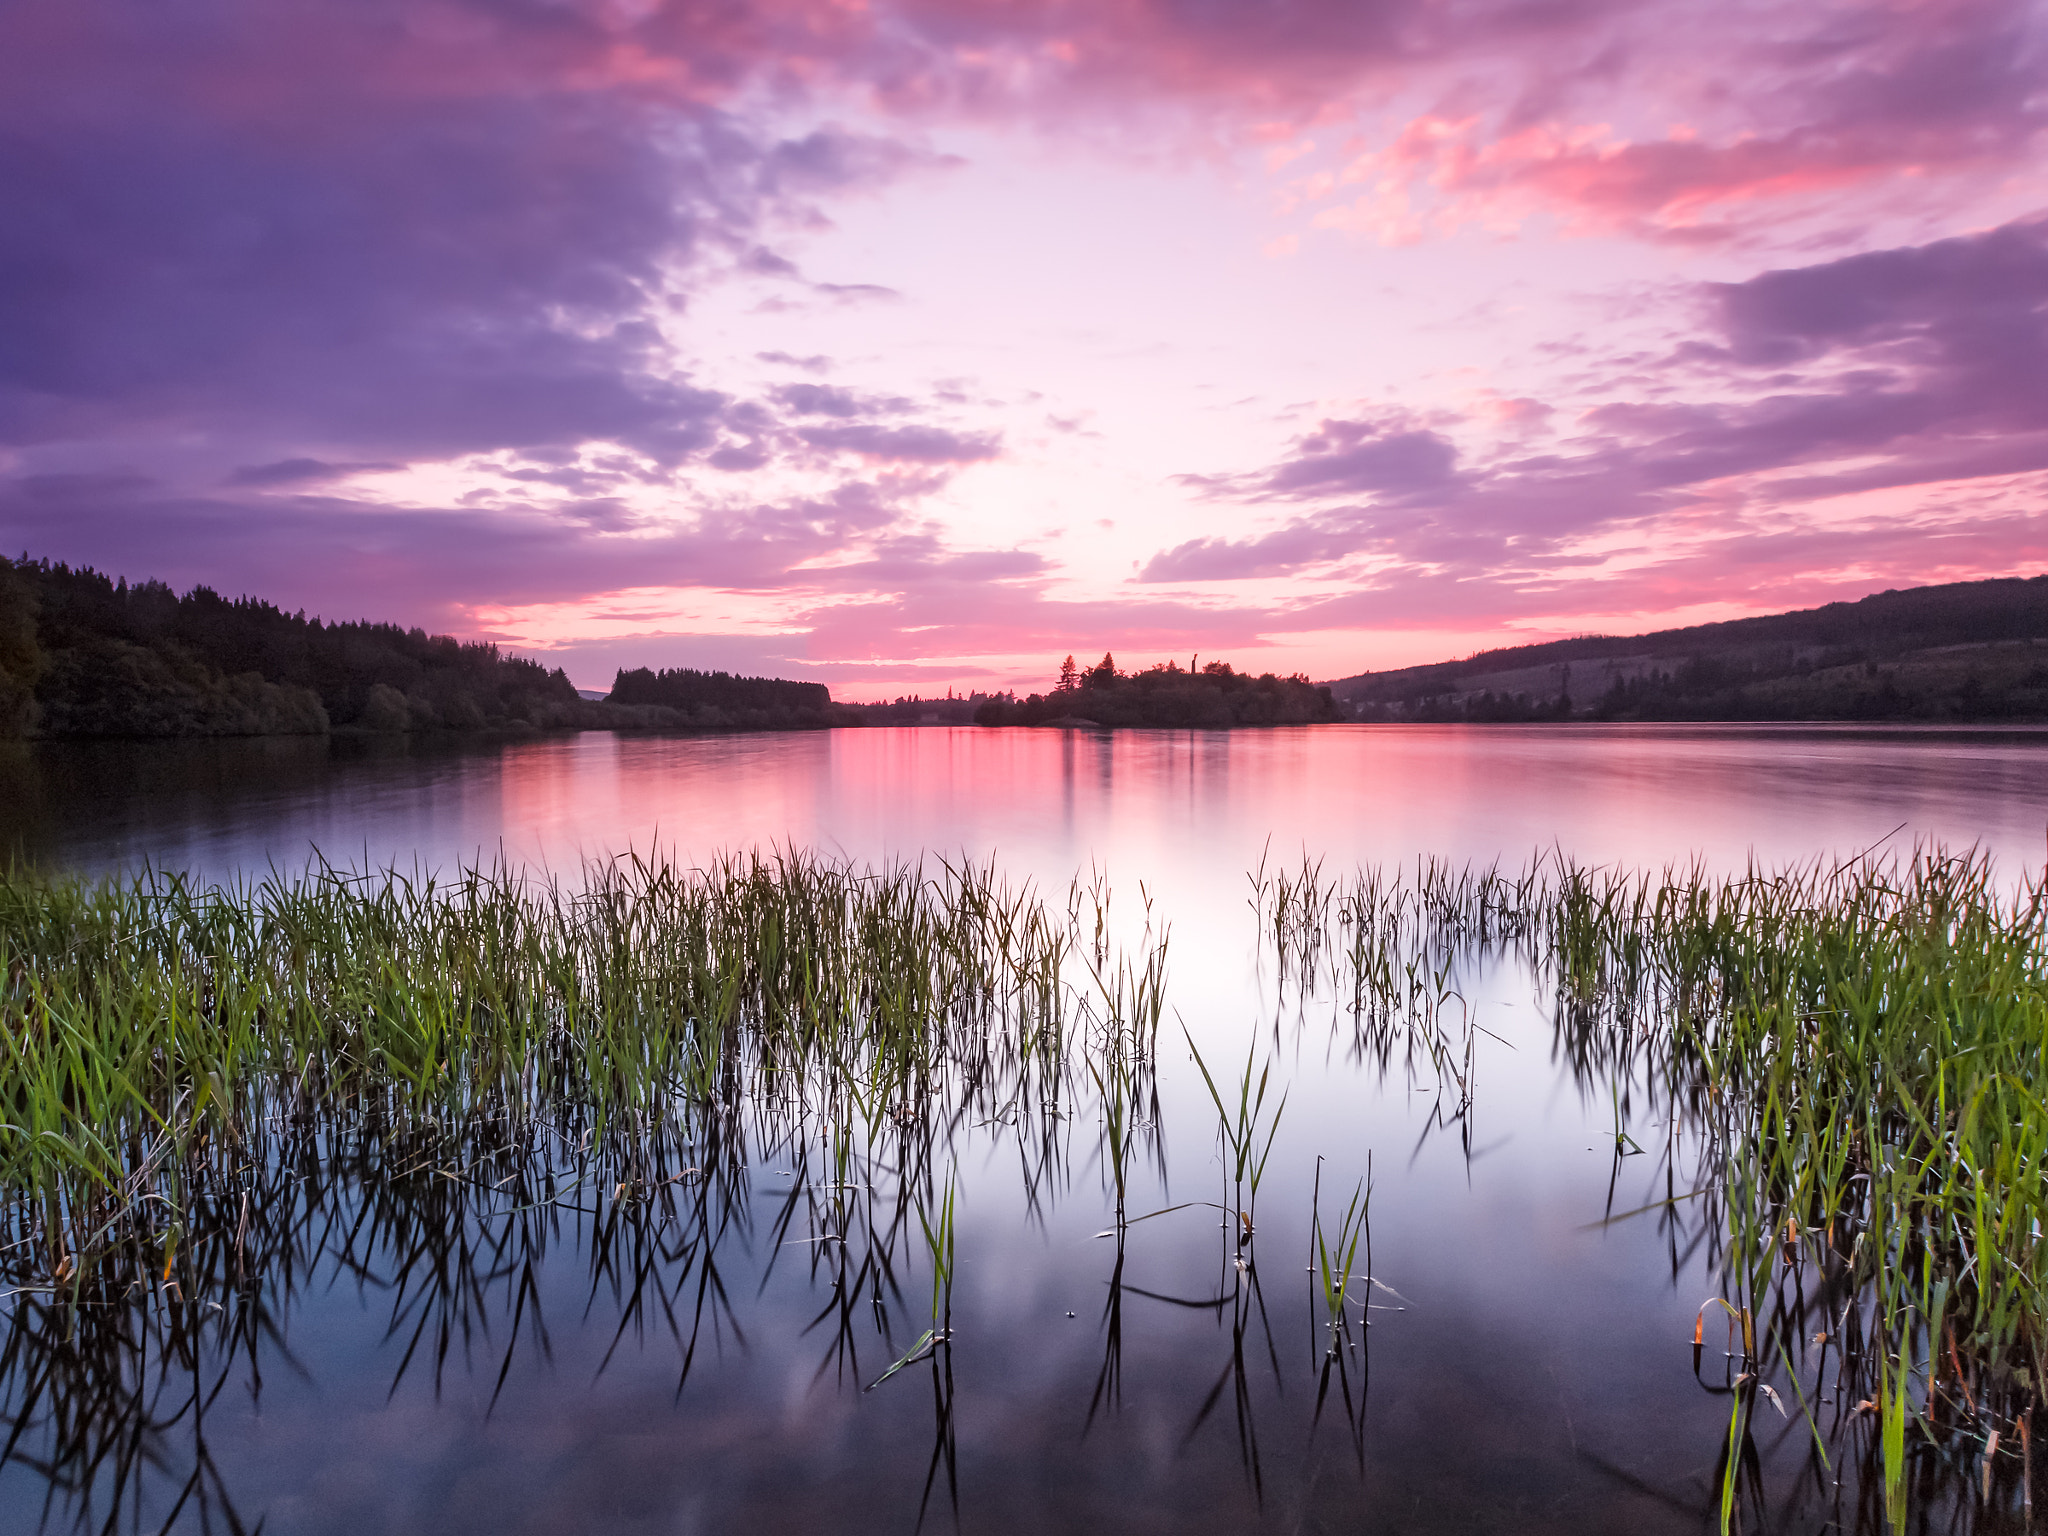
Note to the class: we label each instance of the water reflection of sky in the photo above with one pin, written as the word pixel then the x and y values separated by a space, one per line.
pixel 1538 1379
pixel 1190 810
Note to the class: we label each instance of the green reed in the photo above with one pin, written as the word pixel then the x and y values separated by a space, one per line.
pixel 1335 1260
pixel 1856 1051
pixel 1245 1131
pixel 209 1093
pixel 145 1018
pixel 1850 1058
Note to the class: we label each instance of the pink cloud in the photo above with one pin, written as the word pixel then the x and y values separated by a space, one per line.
pixel 1789 109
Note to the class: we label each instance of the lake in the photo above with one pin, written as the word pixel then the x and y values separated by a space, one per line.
pixel 1529 1363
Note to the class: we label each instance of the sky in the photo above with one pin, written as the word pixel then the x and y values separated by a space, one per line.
pixel 910 345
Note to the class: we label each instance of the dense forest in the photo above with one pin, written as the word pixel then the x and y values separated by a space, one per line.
pixel 1969 651
pixel 722 701
pixel 91 656
pixel 82 654
pixel 1217 695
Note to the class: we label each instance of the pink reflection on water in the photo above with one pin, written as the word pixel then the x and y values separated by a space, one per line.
pixel 1187 812
pixel 1177 805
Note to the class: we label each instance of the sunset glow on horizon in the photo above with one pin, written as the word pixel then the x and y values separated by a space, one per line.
pixel 915 344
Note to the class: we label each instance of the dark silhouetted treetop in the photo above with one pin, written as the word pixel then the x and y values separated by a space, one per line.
pixel 113 659
pixel 722 699
pixel 122 660
pixel 1166 695
pixel 21 657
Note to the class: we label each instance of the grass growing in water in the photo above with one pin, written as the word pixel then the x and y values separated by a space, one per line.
pixel 145 1024
pixel 1859 1055
pixel 421 1087
pixel 1849 1058
pixel 1246 1133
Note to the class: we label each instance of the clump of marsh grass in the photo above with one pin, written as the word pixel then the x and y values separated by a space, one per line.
pixel 1293 911
pixel 215 1098
pixel 148 1024
pixel 1859 1053
pixel 1336 1259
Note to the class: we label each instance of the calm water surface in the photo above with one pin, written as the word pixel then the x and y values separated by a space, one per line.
pixel 1157 804
pixel 1529 1370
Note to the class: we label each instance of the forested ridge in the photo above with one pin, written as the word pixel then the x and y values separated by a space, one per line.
pixel 1965 651
pixel 83 654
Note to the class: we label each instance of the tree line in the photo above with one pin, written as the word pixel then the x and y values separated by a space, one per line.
pixel 723 701
pixel 1214 694
pixel 83 654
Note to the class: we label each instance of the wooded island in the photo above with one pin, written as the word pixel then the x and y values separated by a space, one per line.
pixel 1216 695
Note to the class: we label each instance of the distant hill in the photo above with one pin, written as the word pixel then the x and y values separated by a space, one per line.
pixel 1967 651
pixel 85 655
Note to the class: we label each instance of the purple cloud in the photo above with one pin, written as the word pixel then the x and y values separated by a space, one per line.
pixel 855 293
pixel 1357 457
pixel 909 445
pixel 342 557
pixel 816 363
pixel 1976 305
pixel 300 472
pixel 830 400
pixel 1920 365
pixel 469 280
pixel 1299 544
pixel 765 263
pixel 320 233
